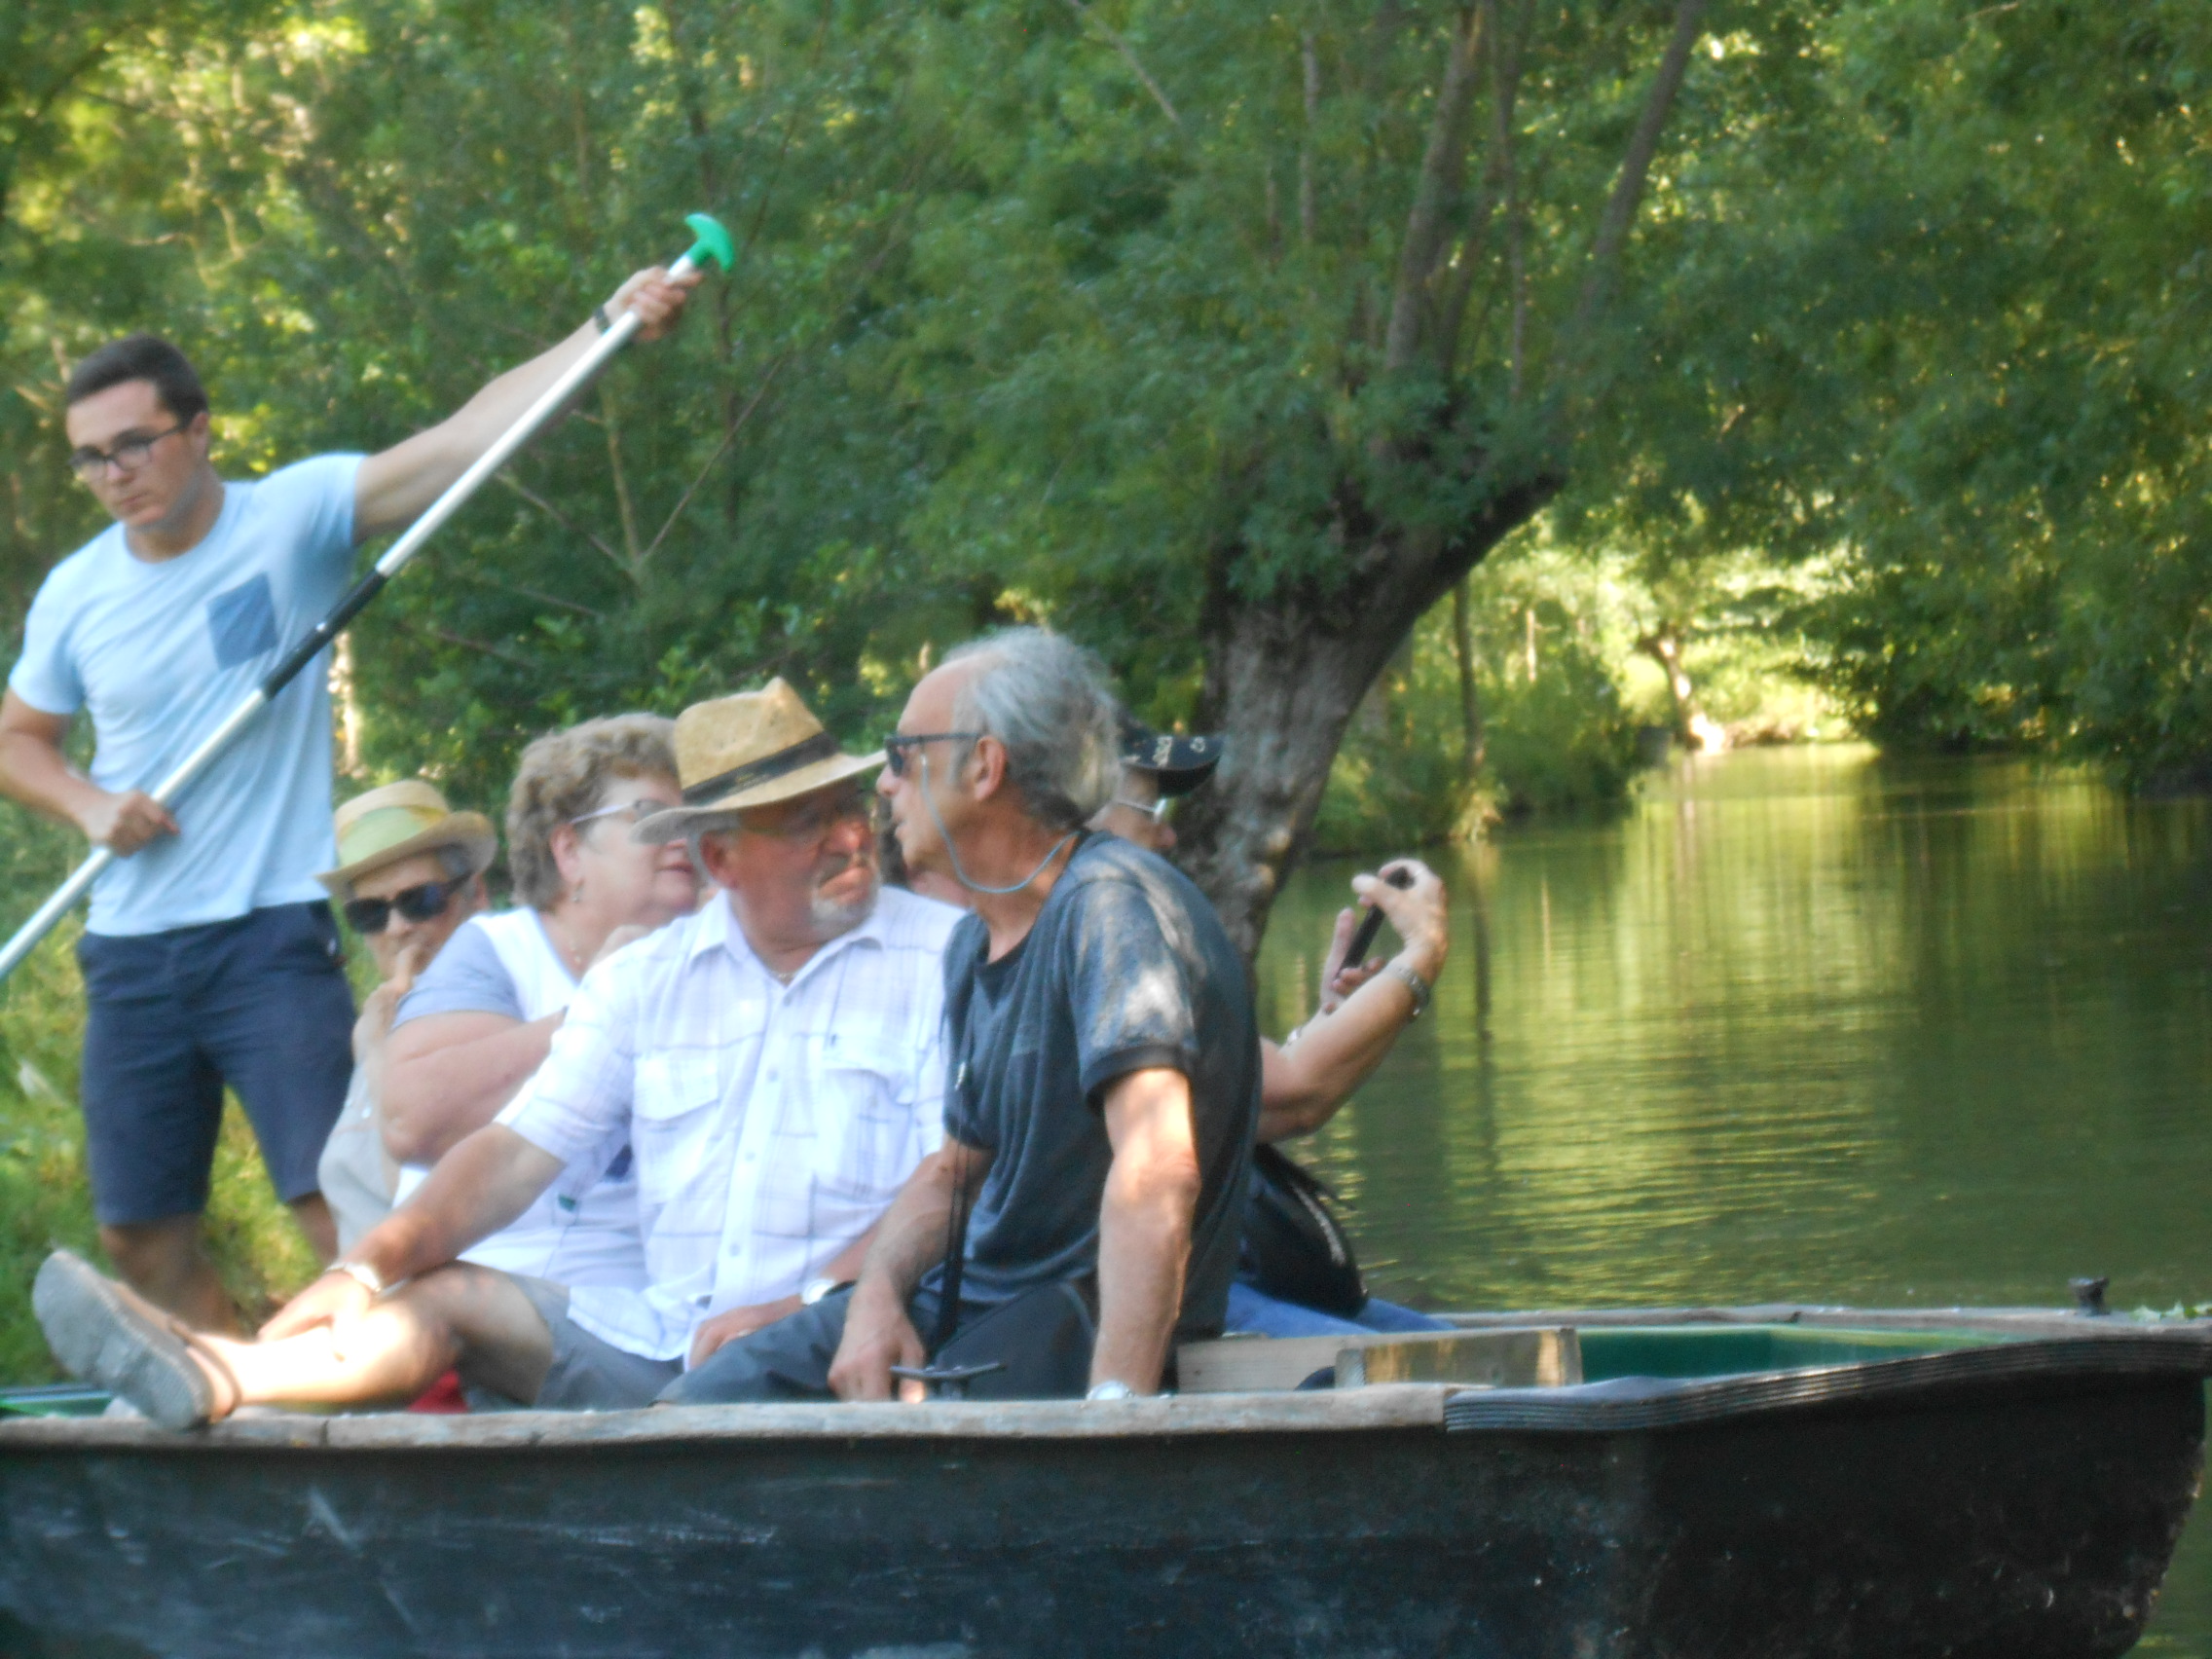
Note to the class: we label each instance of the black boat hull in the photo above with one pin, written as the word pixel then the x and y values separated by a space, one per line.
pixel 2013 1516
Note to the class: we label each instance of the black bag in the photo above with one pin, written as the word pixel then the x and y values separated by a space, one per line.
pixel 1294 1248
pixel 1039 1343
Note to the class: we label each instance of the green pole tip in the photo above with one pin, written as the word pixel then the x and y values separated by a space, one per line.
pixel 714 241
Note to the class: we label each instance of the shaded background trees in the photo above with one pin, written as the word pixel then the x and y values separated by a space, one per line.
pixel 1227 338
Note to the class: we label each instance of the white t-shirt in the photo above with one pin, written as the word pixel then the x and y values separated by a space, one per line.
pixel 163 652
pixel 584 1228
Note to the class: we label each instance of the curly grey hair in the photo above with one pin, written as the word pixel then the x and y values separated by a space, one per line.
pixel 1044 698
pixel 562 776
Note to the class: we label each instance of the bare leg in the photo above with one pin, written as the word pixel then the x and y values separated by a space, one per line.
pixel 455 1315
pixel 312 1213
pixel 165 1262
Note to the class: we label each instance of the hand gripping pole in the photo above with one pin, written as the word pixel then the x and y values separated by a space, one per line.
pixel 712 243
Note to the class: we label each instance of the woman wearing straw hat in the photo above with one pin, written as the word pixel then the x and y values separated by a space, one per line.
pixel 410 870
pixel 480 1020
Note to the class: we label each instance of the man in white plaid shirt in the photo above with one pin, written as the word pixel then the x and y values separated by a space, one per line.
pixel 776 1059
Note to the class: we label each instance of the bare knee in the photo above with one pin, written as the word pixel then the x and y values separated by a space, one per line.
pixel 500 1339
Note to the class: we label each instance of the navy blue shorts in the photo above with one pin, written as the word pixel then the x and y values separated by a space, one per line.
pixel 259 1003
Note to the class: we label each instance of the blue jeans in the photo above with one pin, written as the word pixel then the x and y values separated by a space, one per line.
pixel 1255 1311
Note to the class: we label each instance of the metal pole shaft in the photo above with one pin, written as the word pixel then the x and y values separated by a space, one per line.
pixel 395 558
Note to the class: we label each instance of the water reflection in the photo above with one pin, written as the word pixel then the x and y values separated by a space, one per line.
pixel 1807 1025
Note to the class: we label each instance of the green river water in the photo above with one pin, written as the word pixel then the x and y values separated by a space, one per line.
pixel 1806 1025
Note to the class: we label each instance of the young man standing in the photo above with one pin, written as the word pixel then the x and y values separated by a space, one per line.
pixel 210 956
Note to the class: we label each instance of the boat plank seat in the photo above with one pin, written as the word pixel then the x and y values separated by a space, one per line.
pixel 1529 1358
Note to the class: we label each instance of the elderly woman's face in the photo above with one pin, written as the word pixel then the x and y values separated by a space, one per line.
pixel 624 880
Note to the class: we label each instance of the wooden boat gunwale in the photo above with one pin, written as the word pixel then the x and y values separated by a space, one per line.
pixel 2027 1346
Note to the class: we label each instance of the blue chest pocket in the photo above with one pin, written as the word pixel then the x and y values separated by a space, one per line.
pixel 242 623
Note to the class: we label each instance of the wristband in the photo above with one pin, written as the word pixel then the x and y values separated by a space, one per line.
pixel 1413 983
pixel 362 1273
pixel 598 315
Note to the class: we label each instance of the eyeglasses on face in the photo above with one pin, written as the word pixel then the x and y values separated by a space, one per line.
pixel 817 821
pixel 895 746
pixel 417 904
pixel 1156 810
pixel 91 464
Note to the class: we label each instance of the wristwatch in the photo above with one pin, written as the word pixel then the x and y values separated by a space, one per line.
pixel 362 1273
pixel 1113 1388
pixel 1413 983
pixel 817 1289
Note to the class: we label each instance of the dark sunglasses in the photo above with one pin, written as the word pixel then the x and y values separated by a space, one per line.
pixel 415 904
pixel 895 745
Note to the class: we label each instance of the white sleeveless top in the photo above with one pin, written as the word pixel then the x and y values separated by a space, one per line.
pixel 584 1228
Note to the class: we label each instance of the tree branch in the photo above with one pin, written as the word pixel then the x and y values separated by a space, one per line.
pixel 563 520
pixel 1443 171
pixel 1128 56
pixel 1636 167
pixel 1311 61
pixel 722 449
pixel 1508 52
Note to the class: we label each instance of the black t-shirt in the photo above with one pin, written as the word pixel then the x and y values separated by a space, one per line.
pixel 1126 968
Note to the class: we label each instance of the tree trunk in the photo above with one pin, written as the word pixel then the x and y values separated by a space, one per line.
pixel 1284 675
pixel 1692 726
pixel 1473 741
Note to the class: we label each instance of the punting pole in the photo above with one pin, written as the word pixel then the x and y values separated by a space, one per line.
pixel 712 243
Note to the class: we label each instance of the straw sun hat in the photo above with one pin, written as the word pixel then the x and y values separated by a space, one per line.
pixel 751 750
pixel 398 821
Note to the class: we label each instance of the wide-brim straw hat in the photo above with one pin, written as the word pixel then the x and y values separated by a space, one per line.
pixel 751 749
pixel 396 821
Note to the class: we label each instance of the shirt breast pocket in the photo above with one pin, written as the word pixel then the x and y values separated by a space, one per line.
pixel 673 1123
pixel 873 1137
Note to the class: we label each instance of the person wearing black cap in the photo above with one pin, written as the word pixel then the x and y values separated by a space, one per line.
pixel 1305 1080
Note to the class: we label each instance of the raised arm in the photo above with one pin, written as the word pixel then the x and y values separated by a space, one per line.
pixel 447 1075
pixel 1143 1225
pixel 909 1241
pixel 1306 1080
pixel 34 771
pixel 394 486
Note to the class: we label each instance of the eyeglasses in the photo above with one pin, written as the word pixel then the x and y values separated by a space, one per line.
pixel 895 745
pixel 636 811
pixel 131 455
pixel 1156 810
pixel 417 904
pixel 817 821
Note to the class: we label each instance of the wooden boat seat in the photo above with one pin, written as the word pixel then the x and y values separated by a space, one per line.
pixel 1530 1358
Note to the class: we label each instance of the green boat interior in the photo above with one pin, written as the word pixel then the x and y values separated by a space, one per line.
pixel 1740 1350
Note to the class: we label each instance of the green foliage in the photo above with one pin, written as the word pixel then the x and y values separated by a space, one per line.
pixel 1561 740
pixel 1963 355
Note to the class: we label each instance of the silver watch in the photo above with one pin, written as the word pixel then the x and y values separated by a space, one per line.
pixel 1113 1388
pixel 816 1289
pixel 362 1273
pixel 1413 983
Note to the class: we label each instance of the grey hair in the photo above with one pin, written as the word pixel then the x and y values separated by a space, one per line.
pixel 562 776
pixel 714 823
pixel 1044 698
